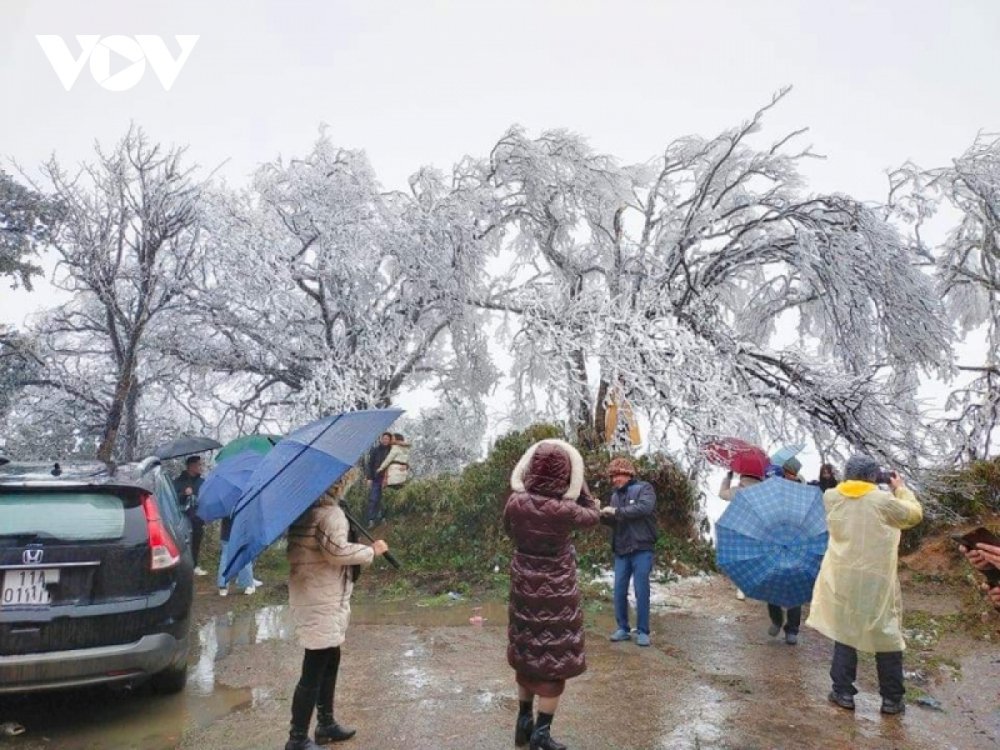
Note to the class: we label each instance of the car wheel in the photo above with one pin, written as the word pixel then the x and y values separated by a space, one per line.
pixel 171 680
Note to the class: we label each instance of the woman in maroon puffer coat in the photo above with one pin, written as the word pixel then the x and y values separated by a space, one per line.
pixel 545 631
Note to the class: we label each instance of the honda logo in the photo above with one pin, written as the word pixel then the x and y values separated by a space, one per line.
pixel 32 556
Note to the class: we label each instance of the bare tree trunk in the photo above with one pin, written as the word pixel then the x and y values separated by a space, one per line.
pixel 132 422
pixel 109 437
pixel 600 413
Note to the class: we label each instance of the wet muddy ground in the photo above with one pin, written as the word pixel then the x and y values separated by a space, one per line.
pixel 416 677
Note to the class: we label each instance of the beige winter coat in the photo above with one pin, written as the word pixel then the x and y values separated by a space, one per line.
pixel 319 584
pixel 396 465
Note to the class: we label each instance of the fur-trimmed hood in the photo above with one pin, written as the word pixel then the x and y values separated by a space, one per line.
pixel 549 467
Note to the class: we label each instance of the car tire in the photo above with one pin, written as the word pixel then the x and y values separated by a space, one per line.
pixel 171 680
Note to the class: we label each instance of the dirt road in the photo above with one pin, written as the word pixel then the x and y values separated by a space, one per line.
pixel 416 678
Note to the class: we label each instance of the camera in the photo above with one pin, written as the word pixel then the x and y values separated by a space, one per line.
pixel 884 476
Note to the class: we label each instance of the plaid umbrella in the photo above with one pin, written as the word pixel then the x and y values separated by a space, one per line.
pixel 771 541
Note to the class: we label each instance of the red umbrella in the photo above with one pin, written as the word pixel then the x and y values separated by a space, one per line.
pixel 722 451
pixel 752 463
pixel 736 455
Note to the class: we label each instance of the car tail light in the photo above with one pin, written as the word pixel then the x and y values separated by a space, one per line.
pixel 162 547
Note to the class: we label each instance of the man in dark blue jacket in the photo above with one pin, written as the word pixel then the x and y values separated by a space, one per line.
pixel 631 513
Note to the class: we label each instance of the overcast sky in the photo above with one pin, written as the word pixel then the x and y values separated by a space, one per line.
pixel 416 82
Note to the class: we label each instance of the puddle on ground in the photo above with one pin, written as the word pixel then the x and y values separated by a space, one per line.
pixel 102 718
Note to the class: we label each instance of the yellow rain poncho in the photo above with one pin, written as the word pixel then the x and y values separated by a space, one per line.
pixel 857 600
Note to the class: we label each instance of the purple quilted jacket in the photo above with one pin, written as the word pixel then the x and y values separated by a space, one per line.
pixel 545 630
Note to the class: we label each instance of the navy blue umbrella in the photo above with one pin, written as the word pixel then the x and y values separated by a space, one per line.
pixel 225 484
pixel 295 473
pixel 771 540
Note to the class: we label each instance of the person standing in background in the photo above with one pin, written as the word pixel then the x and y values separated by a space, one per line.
pixel 187 485
pixel 376 475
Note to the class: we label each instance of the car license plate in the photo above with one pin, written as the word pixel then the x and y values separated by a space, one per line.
pixel 27 586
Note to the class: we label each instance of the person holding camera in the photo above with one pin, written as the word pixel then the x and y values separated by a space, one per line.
pixel 857 601
pixel 986 557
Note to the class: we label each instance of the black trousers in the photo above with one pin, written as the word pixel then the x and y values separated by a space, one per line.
pixel 316 687
pixel 777 615
pixel 844 671
pixel 197 534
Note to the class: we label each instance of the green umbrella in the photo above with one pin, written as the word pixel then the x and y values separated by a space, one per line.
pixel 257 443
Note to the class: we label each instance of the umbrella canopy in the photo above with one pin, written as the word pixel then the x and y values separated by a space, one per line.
pixel 261 444
pixel 186 445
pixel 752 463
pixel 736 455
pixel 786 452
pixel 771 541
pixel 295 473
pixel 225 484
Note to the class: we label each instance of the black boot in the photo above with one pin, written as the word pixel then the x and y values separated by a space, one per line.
pixel 328 730
pixel 541 739
pixel 523 729
pixel 298 739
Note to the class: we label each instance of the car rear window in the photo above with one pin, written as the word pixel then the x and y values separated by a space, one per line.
pixel 70 516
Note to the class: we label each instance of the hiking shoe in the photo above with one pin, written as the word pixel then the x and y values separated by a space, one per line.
pixel 250 590
pixel 642 639
pixel 891 707
pixel 257 583
pixel 841 699
pixel 620 635
pixel 791 638
pixel 773 630
pixel 198 571
pixel 223 592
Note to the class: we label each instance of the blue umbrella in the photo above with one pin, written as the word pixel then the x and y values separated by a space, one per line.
pixel 771 540
pixel 786 452
pixel 225 484
pixel 295 473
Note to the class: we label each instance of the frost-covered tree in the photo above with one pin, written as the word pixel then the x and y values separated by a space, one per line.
pixel 445 438
pixel 26 219
pixel 127 245
pixel 325 292
pixel 968 268
pixel 715 292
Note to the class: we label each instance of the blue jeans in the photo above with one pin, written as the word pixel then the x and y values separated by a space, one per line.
pixel 374 501
pixel 637 565
pixel 244 579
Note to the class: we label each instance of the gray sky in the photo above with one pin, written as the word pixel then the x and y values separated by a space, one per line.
pixel 427 82
pixel 413 83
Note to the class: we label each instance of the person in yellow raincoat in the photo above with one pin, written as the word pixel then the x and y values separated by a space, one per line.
pixel 857 601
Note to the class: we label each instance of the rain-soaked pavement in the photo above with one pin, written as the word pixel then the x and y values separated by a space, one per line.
pixel 418 677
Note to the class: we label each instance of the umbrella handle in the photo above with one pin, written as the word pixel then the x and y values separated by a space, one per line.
pixel 364 532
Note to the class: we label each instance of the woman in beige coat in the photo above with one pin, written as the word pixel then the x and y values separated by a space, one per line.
pixel 323 557
pixel 856 600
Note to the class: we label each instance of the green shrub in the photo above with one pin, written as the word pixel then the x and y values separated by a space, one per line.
pixel 450 525
pixel 965 493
